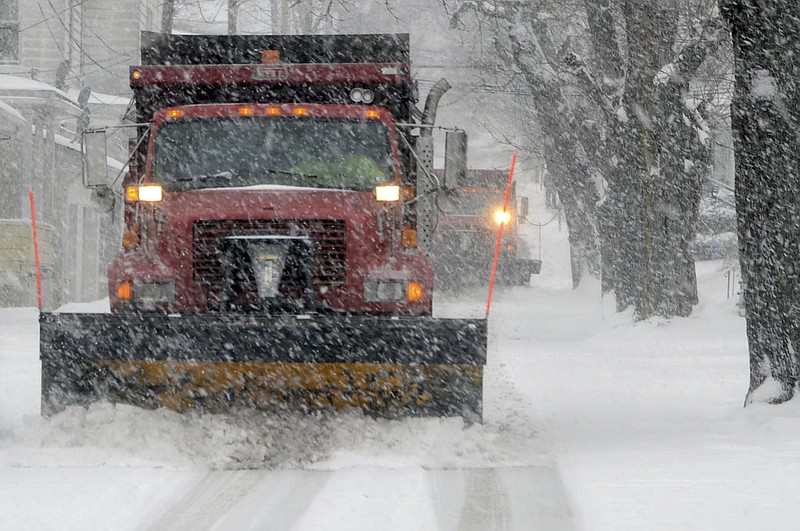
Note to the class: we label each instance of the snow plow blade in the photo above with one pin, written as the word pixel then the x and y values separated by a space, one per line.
pixel 388 367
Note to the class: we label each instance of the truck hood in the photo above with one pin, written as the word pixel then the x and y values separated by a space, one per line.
pixel 272 201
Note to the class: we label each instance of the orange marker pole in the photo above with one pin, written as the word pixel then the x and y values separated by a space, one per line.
pixel 500 234
pixel 36 250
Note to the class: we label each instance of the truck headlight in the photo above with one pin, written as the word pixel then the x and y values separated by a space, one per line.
pixel 501 216
pixel 390 192
pixel 154 291
pixel 384 290
pixel 147 291
pixel 152 193
pixel 392 290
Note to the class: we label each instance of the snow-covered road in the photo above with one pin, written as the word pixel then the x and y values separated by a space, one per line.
pixel 591 422
pixel 365 497
pixel 122 468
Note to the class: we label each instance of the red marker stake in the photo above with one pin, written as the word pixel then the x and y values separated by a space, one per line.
pixel 36 250
pixel 500 234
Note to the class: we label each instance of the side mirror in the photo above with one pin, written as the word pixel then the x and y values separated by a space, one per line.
pixel 95 161
pixel 455 158
pixel 523 208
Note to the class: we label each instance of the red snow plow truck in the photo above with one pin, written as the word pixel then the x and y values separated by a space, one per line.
pixel 466 238
pixel 277 206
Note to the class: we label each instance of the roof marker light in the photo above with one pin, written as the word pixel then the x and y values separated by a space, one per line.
pixel 175 113
pixel 246 111
pixel 273 111
pixel 300 111
pixel 270 57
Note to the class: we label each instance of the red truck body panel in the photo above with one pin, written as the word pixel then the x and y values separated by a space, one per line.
pixel 171 255
pixel 173 229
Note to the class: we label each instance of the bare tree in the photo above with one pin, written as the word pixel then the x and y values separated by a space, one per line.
pixel 633 121
pixel 522 41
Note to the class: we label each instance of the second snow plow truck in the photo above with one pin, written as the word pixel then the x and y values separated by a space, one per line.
pixel 276 209
pixel 464 240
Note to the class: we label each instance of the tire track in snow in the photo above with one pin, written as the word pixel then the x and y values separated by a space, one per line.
pixel 485 502
pixel 202 505
pixel 241 499
pixel 525 498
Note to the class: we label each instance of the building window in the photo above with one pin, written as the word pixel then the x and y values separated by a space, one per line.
pixel 9 31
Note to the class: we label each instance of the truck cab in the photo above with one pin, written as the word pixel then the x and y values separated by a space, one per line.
pixel 275 186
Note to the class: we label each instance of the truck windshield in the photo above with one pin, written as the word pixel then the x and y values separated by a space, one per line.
pixel 248 151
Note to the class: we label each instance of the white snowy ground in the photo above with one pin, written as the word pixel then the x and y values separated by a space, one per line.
pixel 643 422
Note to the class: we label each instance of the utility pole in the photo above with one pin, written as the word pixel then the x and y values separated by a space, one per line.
pixel 233 15
pixel 167 16
pixel 285 17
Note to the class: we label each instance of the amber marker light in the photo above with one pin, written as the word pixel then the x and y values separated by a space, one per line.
pixel 174 113
pixel 246 111
pixel 389 192
pixel 273 111
pixel 502 216
pixel 136 74
pixel 130 238
pixel 132 193
pixel 372 113
pixel 409 238
pixel 125 290
pixel 300 111
pixel 414 291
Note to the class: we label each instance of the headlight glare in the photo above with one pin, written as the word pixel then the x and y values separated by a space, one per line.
pixel 501 216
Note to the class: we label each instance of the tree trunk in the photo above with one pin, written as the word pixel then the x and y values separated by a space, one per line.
pixel 766 44
pixel 648 219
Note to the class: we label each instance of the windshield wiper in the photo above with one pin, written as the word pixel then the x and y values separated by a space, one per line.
pixel 227 174
pixel 294 173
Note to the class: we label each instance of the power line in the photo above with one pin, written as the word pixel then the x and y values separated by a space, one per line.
pixel 55 14
pixel 79 44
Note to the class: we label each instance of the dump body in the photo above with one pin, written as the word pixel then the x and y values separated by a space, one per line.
pixel 466 238
pixel 269 255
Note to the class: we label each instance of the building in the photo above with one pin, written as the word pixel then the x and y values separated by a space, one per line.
pixel 63 66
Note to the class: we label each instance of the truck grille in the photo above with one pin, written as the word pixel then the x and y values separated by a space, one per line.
pixel 328 235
